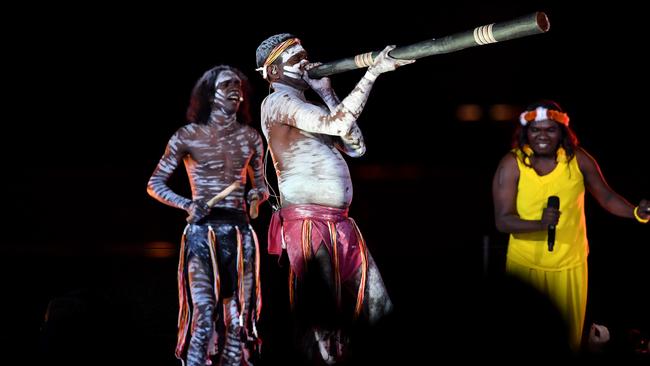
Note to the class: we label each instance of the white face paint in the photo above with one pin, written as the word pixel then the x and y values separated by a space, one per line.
pixel 294 71
pixel 227 84
pixel 291 51
pixel 227 93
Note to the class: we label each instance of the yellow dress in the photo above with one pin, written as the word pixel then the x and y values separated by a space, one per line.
pixel 562 273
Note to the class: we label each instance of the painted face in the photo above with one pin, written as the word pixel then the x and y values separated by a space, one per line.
pixel 293 61
pixel 544 137
pixel 228 92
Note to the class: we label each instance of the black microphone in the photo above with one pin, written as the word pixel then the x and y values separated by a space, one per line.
pixel 553 201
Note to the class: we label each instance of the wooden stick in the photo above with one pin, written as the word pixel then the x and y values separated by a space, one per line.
pixel 221 195
pixel 253 209
pixel 218 197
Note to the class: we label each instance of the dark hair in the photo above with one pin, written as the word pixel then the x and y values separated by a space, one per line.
pixel 267 45
pixel 203 94
pixel 568 138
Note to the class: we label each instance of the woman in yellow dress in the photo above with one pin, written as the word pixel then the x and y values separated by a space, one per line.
pixel 547 161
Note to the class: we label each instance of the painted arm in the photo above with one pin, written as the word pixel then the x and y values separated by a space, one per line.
pixel 504 194
pixel 603 193
pixel 342 116
pixel 157 186
pixel 352 143
pixel 258 192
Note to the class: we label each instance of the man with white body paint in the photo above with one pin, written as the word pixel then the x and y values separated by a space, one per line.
pixel 323 244
pixel 218 270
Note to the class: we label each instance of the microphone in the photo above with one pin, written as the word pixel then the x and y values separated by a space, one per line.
pixel 553 201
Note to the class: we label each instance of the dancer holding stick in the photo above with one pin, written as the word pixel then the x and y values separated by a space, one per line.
pixel 219 259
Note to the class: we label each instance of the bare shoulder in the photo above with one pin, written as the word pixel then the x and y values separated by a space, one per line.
pixel 509 161
pixel 586 162
pixel 507 173
pixel 277 97
pixel 508 169
pixel 186 131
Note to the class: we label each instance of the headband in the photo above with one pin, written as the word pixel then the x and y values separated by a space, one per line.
pixel 541 113
pixel 275 53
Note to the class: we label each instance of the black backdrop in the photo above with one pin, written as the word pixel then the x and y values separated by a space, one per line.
pixel 95 92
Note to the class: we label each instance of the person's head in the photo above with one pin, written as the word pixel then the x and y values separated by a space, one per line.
pixel 544 127
pixel 222 88
pixel 281 59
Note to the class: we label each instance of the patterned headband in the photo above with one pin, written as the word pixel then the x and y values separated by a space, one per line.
pixel 275 53
pixel 541 113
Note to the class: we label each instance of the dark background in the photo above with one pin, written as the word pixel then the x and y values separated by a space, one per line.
pixel 94 93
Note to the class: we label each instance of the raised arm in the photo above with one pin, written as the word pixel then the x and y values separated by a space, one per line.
pixel 340 119
pixel 603 193
pixel 504 194
pixel 352 143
